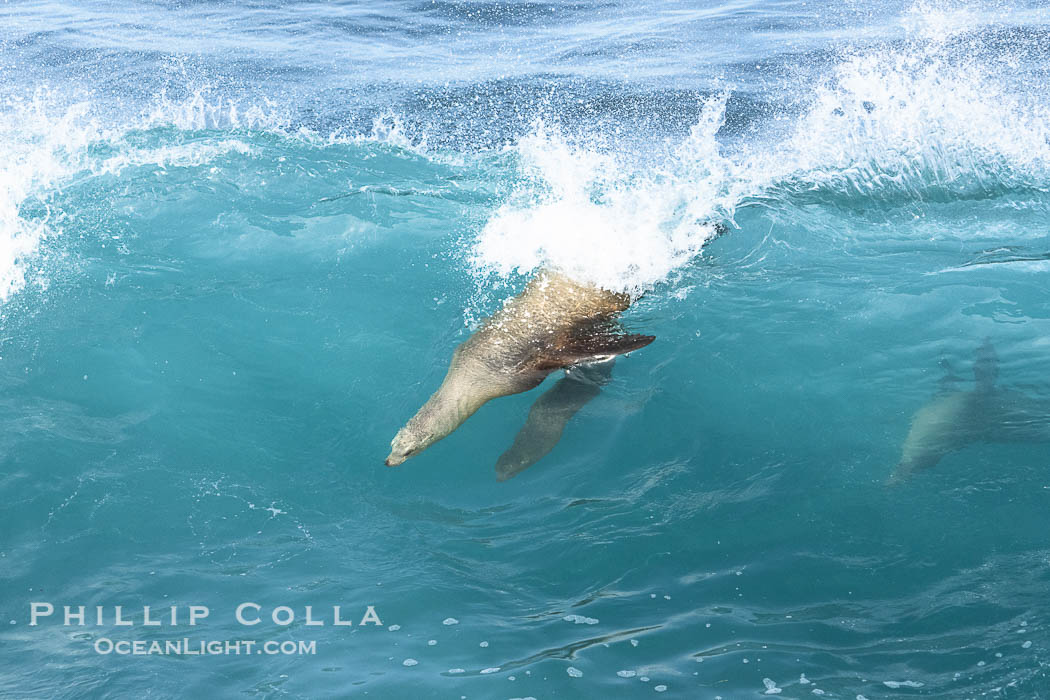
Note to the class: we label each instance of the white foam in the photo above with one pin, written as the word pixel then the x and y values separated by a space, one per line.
pixel 46 140
pixel 40 146
pixel 203 109
pixel 602 219
pixel 390 129
pixel 905 121
pixel 937 22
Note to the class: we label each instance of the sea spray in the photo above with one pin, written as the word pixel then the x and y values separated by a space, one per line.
pixel 596 217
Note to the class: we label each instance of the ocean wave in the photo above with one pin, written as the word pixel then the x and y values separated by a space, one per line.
pixel 48 140
pixel 931 118
pixel 938 116
pixel 922 121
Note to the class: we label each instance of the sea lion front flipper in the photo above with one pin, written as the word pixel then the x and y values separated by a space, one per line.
pixel 549 415
pixel 582 348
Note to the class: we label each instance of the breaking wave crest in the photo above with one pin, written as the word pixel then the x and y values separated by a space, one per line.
pixel 48 141
pixel 593 215
pixel 909 123
pixel 937 117
pixel 919 123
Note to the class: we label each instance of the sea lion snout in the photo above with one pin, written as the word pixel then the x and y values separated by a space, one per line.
pixel 404 445
pixel 397 456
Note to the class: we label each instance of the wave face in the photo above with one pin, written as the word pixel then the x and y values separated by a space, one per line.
pixel 239 242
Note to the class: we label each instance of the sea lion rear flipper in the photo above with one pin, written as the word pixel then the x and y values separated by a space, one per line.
pixel 590 347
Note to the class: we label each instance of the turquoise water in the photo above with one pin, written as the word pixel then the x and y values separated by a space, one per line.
pixel 239 243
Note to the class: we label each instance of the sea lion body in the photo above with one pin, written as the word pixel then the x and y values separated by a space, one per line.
pixel 555 322
pixel 988 413
pixel 942 426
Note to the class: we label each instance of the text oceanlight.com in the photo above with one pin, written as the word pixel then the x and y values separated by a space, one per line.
pixel 189 647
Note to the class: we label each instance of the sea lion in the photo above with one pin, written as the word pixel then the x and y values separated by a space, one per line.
pixel 555 322
pixel 550 414
pixel 988 413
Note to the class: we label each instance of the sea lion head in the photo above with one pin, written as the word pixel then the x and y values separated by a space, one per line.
pixel 410 441
pixel 436 419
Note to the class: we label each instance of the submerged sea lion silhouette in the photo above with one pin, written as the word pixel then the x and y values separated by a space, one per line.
pixel 550 414
pixel 988 413
pixel 554 323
